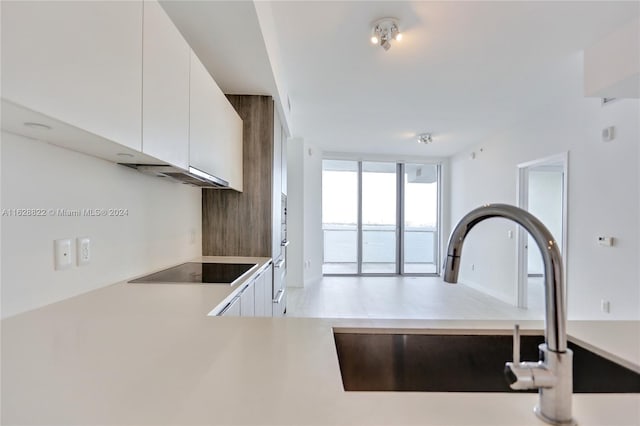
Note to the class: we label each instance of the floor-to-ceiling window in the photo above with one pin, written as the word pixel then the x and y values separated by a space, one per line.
pixel 380 217
pixel 340 183
pixel 420 214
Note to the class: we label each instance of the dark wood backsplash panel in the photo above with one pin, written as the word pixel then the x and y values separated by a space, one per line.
pixel 239 224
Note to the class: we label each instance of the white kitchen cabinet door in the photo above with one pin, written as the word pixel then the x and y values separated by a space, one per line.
pixel 215 143
pixel 231 130
pixel 268 283
pixel 262 293
pixel 79 62
pixel 247 301
pixel 165 95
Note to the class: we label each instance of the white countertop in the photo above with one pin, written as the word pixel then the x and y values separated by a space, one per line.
pixel 150 355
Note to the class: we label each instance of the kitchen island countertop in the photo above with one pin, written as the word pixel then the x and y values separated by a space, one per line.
pixel 150 355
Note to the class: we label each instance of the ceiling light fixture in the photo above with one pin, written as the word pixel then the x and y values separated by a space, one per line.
pixel 384 30
pixel 425 138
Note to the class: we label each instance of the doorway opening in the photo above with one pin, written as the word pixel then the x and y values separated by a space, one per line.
pixel 380 218
pixel 542 191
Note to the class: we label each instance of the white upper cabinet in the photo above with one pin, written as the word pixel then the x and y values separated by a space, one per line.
pixel 231 136
pixel 165 92
pixel 77 62
pixel 115 79
pixel 215 142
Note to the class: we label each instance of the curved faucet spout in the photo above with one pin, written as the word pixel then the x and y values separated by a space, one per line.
pixel 552 375
pixel 555 316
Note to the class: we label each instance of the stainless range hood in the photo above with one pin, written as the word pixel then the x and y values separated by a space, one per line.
pixel 191 176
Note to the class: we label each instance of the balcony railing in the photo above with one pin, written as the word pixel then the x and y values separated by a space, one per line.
pixel 378 249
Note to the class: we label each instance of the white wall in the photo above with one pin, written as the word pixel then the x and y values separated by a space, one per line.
pixel 603 197
pixel 157 232
pixel 545 203
pixel 612 64
pixel 313 250
pixel 304 213
pixel 295 212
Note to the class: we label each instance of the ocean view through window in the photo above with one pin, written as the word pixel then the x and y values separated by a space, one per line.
pixel 380 218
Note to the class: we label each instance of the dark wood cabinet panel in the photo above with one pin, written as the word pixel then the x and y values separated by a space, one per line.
pixel 240 223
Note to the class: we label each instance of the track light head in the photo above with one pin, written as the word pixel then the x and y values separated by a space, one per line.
pixel 425 138
pixel 383 31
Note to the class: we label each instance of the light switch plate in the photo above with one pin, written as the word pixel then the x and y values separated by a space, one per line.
pixel 62 254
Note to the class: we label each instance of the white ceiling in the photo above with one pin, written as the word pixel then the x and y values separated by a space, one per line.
pixel 462 70
pixel 226 37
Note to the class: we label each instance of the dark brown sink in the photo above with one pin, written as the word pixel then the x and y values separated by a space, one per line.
pixel 460 363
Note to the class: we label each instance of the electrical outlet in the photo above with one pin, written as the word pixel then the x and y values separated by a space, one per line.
pixel 192 236
pixel 605 306
pixel 83 250
pixel 62 254
pixel 473 266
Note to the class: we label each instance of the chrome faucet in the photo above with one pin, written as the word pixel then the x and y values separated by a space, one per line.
pixel 552 374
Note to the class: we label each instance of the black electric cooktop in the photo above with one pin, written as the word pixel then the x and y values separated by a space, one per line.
pixel 196 272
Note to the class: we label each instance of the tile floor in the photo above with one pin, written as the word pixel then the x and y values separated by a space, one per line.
pixel 405 298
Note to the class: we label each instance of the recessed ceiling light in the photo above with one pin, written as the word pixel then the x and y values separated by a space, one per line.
pixel 37 126
pixel 124 154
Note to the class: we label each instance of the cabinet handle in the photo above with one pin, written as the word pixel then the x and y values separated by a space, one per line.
pixel 225 309
pixel 280 296
pixel 285 243
pixel 227 306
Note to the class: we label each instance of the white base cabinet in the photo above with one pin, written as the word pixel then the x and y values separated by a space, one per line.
pixel 231 310
pixel 263 293
pixel 260 294
pixel 247 300
pixel 254 297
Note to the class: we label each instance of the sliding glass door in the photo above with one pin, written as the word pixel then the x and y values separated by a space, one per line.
pixel 420 224
pixel 380 218
pixel 340 225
